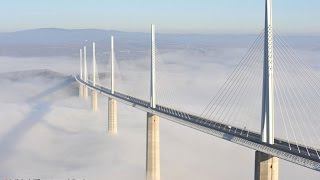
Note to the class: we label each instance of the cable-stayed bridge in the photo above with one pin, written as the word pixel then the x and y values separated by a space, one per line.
pixel 270 84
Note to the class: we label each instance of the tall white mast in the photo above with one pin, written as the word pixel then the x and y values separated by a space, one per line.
pixel 153 69
pixel 94 63
pixel 81 76
pixel 267 119
pixel 112 66
pixel 85 64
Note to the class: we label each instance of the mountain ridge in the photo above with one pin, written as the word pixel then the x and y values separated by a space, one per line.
pixel 48 42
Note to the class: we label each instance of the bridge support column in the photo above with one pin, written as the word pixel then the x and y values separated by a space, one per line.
pixel 153 147
pixel 85 92
pixel 80 90
pixel 112 116
pixel 266 167
pixel 94 101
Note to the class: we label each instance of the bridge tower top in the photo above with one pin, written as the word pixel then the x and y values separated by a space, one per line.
pixel 267 117
pixel 153 68
pixel 112 65
pixel 81 73
pixel 85 72
pixel 94 63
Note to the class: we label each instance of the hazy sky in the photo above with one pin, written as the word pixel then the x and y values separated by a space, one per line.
pixel 174 16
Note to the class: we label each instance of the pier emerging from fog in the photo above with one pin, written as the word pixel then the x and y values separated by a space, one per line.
pixel 212 121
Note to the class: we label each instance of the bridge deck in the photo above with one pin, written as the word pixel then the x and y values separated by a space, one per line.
pixel 298 154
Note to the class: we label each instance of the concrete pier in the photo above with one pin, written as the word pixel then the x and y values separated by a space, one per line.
pixel 85 92
pixel 153 147
pixel 112 116
pixel 266 167
pixel 80 90
pixel 94 101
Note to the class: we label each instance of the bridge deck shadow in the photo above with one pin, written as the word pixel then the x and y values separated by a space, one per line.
pixel 10 140
pixel 51 90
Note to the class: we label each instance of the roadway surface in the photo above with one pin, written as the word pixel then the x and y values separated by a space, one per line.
pixel 299 154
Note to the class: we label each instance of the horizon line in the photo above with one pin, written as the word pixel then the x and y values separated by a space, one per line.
pixel 165 33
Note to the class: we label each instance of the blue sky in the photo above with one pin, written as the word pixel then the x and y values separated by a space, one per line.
pixel 170 16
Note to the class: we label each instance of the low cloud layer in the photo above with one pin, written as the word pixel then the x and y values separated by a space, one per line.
pixel 48 132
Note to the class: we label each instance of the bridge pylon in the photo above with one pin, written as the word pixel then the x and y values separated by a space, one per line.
pixel 112 104
pixel 94 96
pixel 85 73
pixel 267 166
pixel 81 76
pixel 153 137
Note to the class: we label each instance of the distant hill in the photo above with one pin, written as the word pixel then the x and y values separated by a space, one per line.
pixel 47 36
pixel 67 42
pixel 31 74
pixel 62 42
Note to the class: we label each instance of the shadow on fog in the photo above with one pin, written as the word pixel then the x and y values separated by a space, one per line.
pixel 51 90
pixel 10 140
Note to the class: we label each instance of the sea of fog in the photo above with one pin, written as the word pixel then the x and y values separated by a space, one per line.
pixel 48 132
